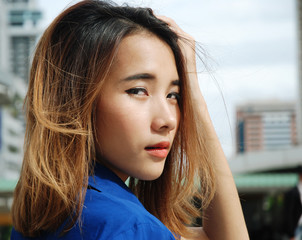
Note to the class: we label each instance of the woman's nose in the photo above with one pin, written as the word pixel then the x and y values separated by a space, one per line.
pixel 165 117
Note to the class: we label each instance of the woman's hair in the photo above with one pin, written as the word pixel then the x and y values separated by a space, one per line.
pixel 71 63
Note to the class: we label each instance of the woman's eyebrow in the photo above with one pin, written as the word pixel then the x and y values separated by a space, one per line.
pixel 147 76
pixel 175 82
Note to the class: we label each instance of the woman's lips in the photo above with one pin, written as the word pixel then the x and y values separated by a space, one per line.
pixel 159 150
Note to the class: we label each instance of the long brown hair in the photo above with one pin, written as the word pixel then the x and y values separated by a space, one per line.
pixel 71 62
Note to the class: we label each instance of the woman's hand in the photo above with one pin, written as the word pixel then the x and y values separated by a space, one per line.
pixel 186 43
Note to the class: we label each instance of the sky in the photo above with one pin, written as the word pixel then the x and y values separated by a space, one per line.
pixel 250 51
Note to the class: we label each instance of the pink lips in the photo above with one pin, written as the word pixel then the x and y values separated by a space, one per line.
pixel 159 150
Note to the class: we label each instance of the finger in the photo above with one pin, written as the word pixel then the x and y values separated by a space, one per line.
pixel 171 23
pixel 174 27
pixel 167 20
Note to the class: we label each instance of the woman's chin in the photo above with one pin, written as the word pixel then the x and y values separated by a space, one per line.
pixel 150 175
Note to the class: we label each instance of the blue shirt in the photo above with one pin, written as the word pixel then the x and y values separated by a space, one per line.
pixel 111 211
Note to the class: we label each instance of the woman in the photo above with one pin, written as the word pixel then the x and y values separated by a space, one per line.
pixel 113 94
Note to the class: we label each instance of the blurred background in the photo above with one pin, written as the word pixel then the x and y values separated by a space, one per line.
pixel 252 84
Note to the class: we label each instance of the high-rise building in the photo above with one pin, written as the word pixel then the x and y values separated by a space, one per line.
pixel 266 126
pixel 19 31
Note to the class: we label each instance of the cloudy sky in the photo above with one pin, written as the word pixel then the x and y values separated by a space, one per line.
pixel 251 47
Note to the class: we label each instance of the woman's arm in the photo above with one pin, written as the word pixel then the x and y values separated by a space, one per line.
pixel 223 219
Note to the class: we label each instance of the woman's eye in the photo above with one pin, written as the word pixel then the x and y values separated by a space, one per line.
pixel 174 95
pixel 137 91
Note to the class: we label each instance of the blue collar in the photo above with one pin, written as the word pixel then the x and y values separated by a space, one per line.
pixel 104 180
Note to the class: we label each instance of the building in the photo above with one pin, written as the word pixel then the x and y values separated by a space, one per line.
pixel 266 125
pixel 264 166
pixel 18 34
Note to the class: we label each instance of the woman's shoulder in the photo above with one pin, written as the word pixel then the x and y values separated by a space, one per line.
pixel 111 211
pixel 106 216
pixel 116 217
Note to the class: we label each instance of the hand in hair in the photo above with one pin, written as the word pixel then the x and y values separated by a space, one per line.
pixel 223 219
pixel 186 43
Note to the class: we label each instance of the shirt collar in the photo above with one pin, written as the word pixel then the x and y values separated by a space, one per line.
pixel 104 180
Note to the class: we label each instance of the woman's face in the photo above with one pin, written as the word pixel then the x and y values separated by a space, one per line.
pixel 137 111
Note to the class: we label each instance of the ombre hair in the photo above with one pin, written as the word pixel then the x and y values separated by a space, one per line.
pixel 71 62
